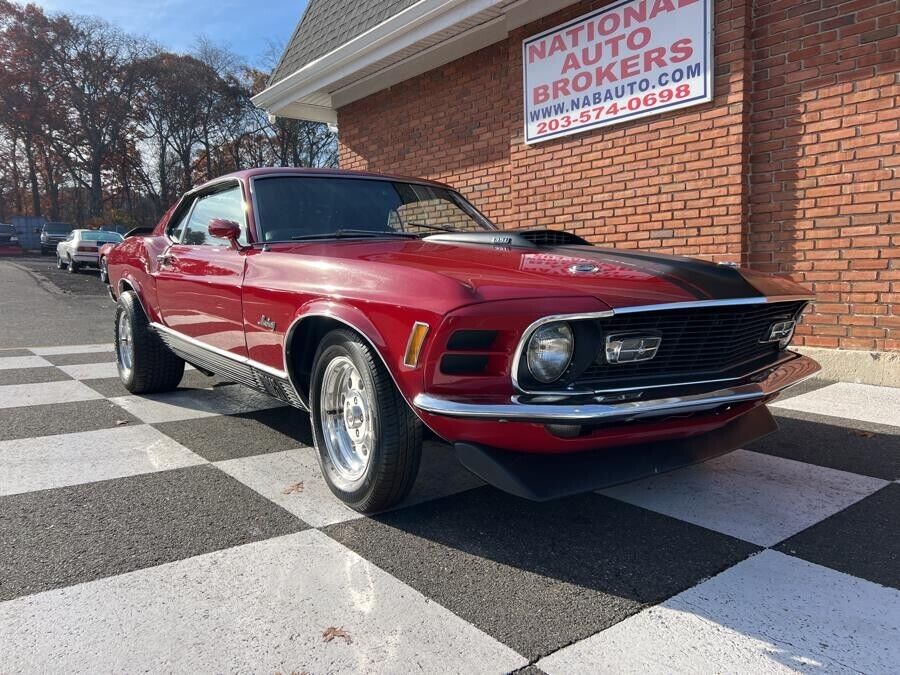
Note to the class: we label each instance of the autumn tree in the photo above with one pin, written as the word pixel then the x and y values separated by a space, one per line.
pixel 99 126
pixel 26 36
pixel 96 66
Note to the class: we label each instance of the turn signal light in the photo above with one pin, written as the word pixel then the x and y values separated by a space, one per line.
pixel 414 347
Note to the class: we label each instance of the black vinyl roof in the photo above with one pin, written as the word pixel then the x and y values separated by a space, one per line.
pixel 327 24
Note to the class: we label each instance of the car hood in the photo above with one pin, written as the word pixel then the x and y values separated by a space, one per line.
pixel 618 278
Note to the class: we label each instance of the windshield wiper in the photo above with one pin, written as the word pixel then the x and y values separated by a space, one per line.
pixel 432 227
pixel 345 233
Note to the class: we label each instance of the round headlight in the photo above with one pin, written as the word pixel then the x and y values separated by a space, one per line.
pixel 549 351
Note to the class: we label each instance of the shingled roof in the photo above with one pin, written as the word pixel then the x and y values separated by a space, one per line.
pixel 327 24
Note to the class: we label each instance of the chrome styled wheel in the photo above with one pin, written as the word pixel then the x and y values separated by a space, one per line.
pixel 347 422
pixel 125 345
pixel 368 439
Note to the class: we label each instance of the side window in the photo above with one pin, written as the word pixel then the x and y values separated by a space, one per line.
pixel 226 204
pixel 176 226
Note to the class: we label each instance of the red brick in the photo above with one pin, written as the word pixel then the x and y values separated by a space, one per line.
pixel 792 168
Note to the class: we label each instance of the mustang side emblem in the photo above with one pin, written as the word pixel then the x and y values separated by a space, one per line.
pixel 631 348
pixel 266 322
pixel 584 268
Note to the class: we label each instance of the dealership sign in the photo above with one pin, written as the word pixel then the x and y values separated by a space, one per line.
pixel 627 60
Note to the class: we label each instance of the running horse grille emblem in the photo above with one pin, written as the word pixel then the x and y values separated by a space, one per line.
pixel 266 322
pixel 631 348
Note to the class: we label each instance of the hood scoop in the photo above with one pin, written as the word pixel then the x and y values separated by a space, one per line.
pixel 512 238
pixel 553 238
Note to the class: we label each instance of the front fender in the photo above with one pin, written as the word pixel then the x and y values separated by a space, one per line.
pixel 347 314
pixel 386 330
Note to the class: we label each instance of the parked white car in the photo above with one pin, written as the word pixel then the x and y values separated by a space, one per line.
pixel 81 248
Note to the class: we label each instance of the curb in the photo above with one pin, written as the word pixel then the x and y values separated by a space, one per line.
pixel 849 365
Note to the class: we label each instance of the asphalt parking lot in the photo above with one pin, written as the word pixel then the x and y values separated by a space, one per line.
pixel 192 531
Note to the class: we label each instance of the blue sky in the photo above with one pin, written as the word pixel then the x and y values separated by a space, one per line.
pixel 246 28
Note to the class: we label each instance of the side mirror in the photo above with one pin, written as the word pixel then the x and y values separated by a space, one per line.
pixel 225 229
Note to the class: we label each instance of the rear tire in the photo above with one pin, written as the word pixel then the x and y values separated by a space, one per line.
pixel 104 273
pixel 368 439
pixel 146 365
pixel 72 266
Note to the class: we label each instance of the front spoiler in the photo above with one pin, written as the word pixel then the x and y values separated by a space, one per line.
pixel 541 477
pixel 762 385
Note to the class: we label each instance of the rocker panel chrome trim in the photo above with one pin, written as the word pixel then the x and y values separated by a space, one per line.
pixel 250 364
pixel 221 352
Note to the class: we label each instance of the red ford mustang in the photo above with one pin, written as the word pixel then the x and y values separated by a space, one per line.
pixel 385 305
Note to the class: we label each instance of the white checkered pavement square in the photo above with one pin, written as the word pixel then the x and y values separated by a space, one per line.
pixel 193 531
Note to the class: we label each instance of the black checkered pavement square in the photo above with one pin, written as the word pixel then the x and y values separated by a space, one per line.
pixel 193 530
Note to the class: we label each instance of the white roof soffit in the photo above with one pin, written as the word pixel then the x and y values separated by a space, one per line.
pixel 422 37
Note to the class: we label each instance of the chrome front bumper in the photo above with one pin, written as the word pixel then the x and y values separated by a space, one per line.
pixel 764 384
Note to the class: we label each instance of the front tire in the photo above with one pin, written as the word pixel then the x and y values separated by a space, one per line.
pixel 368 440
pixel 60 265
pixel 146 365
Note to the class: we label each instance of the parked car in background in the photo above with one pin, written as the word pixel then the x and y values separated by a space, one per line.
pixel 384 305
pixel 114 227
pixel 81 248
pixel 9 240
pixel 103 255
pixel 52 234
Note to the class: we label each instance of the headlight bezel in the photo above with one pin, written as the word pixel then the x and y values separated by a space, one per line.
pixel 555 334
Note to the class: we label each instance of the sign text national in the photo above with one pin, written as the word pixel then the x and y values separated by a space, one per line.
pixel 627 60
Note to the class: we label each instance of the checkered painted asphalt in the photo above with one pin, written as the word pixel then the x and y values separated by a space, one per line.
pixel 193 530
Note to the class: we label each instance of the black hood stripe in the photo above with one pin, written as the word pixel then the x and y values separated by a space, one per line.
pixel 704 280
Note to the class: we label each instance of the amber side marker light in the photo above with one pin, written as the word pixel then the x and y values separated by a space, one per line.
pixel 414 347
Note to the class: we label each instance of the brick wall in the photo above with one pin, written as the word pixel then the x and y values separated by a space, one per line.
pixel 781 170
pixel 824 163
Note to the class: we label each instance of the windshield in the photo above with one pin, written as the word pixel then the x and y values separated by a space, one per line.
pixel 101 236
pixel 304 207
pixel 57 228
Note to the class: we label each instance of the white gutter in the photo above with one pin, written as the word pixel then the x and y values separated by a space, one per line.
pixel 421 20
pixel 315 91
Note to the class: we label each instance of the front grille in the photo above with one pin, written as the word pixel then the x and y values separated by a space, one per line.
pixel 697 344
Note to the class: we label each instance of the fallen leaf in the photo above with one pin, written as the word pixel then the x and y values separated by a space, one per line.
pixel 864 434
pixel 293 489
pixel 331 632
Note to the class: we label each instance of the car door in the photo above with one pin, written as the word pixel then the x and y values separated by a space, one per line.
pixel 199 277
